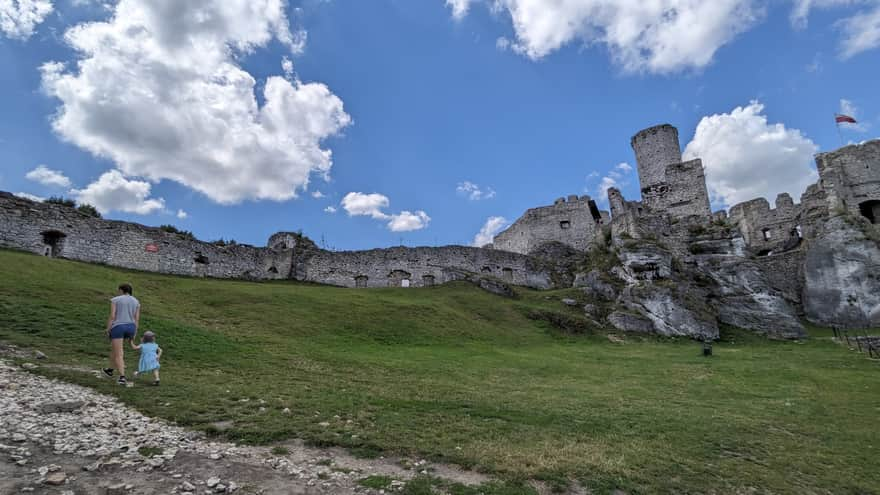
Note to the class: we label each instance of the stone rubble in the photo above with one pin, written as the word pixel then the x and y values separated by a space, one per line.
pixel 86 435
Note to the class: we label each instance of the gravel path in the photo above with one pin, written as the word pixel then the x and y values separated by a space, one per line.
pixel 59 438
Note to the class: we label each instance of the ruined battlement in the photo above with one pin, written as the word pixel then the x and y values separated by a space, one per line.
pixel 851 176
pixel 575 222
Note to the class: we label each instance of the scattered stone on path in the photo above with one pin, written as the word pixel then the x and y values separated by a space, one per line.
pixel 60 407
pixel 569 302
pixel 56 478
pixel 212 482
pixel 29 366
pixel 118 489
pixel 39 355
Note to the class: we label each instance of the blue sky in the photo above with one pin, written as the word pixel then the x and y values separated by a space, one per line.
pixel 439 117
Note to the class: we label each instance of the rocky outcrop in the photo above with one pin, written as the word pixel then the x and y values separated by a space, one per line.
pixel 630 322
pixel 744 298
pixel 655 299
pixel 842 276
pixel 673 309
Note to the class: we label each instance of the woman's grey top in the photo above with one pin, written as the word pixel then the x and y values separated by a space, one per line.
pixel 126 309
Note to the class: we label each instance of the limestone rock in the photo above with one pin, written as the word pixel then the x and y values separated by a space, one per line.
pixel 673 311
pixel 743 298
pixel 595 286
pixel 842 273
pixel 630 322
pixel 645 262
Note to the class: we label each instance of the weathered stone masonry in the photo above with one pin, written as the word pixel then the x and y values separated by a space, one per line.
pixel 59 231
pixel 575 222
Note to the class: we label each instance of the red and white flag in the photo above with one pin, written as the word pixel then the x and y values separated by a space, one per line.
pixel 840 119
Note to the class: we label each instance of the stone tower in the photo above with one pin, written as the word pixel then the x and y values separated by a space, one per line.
pixel 669 185
pixel 656 148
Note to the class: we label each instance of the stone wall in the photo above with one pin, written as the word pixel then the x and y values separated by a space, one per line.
pixel 61 231
pixel 687 194
pixel 851 176
pixel 420 267
pixel 575 222
pixel 785 274
pixel 655 148
pixel 668 185
pixel 769 230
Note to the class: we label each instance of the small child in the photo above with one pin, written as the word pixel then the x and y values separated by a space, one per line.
pixel 150 354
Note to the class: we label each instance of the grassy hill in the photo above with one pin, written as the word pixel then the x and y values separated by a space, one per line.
pixel 457 374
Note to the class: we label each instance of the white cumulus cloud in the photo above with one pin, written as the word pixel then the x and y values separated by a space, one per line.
pixel 182 214
pixel 18 18
pixel 371 205
pixel 32 197
pixel 657 36
pixel 113 192
pixel 330 209
pixel 473 192
pixel 360 204
pixel 459 7
pixel 490 229
pixel 317 194
pixel 159 90
pixel 745 157
pixel 48 177
pixel 406 221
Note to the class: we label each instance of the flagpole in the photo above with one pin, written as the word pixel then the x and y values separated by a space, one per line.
pixel 839 135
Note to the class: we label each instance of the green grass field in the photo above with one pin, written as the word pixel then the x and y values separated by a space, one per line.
pixel 455 374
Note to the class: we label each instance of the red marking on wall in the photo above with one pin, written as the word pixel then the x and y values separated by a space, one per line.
pixel 152 248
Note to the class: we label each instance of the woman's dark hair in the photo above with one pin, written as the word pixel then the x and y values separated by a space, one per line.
pixel 125 288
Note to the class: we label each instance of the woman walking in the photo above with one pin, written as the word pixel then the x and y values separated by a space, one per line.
pixel 125 314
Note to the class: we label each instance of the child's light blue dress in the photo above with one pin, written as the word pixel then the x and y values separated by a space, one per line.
pixel 148 357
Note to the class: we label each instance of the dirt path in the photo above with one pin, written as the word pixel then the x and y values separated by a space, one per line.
pixel 59 438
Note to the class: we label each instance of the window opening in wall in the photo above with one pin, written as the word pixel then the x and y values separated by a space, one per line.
pixel 565 224
pixel 594 211
pixel 428 280
pixel 360 281
pixel 870 210
pixel 486 269
pixel 201 259
pixel 798 232
pixel 766 233
pixel 273 270
pixel 507 274
pixel 53 241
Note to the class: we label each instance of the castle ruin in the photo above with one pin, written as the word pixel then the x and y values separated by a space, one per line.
pixel 681 269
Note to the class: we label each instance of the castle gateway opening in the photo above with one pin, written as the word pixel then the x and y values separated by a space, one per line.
pixel 871 210
pixel 53 243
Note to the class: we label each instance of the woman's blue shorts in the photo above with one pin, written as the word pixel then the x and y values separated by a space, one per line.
pixel 123 331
